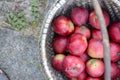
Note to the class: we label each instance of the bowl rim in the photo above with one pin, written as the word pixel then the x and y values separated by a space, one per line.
pixel 43 34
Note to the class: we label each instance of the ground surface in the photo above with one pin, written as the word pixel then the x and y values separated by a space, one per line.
pixel 19 51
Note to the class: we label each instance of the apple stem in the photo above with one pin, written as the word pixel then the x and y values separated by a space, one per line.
pixel 105 39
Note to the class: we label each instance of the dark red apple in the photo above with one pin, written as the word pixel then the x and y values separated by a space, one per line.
pixel 57 62
pixel 84 57
pixel 91 78
pixel 114 52
pixel 83 30
pixel 82 76
pixel 96 34
pixel 73 66
pixel 115 71
pixel 95 48
pixel 60 44
pixel 114 32
pixel 77 44
pixel 72 79
pixel 93 19
pixel 63 26
pixel 95 67
pixel 79 15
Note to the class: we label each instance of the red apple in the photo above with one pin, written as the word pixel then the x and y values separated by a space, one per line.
pixel 95 48
pixel 114 52
pixel 91 78
pixel 114 32
pixel 84 57
pixel 63 26
pixel 83 30
pixel 57 62
pixel 93 19
pixel 79 15
pixel 96 34
pixel 60 44
pixel 115 71
pixel 95 67
pixel 73 66
pixel 72 79
pixel 82 76
pixel 77 44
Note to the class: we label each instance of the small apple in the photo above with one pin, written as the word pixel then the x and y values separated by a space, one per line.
pixel 77 44
pixel 115 71
pixel 92 78
pixel 84 57
pixel 96 34
pixel 95 67
pixel 114 32
pixel 60 44
pixel 63 26
pixel 114 52
pixel 79 16
pixel 72 79
pixel 83 30
pixel 93 19
pixel 82 76
pixel 73 66
pixel 57 62
pixel 95 48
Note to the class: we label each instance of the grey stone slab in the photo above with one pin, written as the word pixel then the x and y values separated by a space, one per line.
pixel 19 56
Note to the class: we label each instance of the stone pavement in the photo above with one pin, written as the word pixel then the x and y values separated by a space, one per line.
pixel 19 56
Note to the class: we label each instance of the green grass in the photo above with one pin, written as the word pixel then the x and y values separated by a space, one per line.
pixel 35 12
pixel 18 20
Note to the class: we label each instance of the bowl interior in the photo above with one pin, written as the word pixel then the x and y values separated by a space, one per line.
pixel 112 9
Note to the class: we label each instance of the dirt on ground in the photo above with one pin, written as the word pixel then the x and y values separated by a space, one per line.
pixel 20 24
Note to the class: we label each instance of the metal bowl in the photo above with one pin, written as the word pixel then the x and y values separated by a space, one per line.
pixel 63 7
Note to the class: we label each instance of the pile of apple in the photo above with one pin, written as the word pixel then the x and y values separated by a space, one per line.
pixel 79 49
